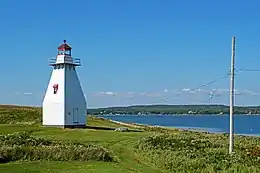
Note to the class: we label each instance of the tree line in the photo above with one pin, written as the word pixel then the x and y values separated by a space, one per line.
pixel 174 109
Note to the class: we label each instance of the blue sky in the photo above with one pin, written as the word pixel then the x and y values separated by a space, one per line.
pixel 133 52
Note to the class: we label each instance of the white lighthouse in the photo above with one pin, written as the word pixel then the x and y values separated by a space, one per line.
pixel 64 104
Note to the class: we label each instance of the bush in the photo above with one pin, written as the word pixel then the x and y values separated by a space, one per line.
pixel 194 152
pixel 23 139
pixel 22 146
pixel 18 116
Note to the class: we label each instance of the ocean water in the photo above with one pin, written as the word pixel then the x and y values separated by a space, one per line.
pixel 243 124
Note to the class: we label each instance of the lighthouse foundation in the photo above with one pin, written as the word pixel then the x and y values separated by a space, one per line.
pixel 80 126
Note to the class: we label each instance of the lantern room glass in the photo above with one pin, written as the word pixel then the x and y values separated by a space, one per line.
pixel 64 52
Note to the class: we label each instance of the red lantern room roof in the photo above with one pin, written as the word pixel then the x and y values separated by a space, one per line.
pixel 64 46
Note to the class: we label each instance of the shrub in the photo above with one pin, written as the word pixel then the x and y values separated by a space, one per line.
pixel 14 116
pixel 23 138
pixel 194 152
pixel 23 146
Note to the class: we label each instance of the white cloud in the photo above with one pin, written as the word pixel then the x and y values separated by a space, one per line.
pixel 236 92
pixel 151 94
pixel 127 94
pixel 186 89
pixel 202 90
pixel 23 93
pixel 193 91
pixel 27 93
pixel 173 96
pixel 246 92
pixel 107 93
pixel 110 93
pixel 218 92
pixel 173 93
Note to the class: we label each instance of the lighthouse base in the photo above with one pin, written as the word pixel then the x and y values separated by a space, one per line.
pixel 81 126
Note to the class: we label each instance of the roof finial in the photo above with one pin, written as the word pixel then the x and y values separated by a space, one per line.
pixel 64 41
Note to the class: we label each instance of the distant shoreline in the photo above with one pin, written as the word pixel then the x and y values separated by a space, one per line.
pixel 180 110
pixel 175 115
pixel 161 110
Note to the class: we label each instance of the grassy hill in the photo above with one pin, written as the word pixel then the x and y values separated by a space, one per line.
pixel 26 146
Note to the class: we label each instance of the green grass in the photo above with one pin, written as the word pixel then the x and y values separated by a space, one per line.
pixel 155 150
pixel 118 143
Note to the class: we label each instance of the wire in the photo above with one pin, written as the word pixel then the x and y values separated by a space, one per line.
pixel 211 95
pixel 194 89
pixel 248 70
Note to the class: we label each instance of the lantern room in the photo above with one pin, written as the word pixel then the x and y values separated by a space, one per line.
pixel 64 49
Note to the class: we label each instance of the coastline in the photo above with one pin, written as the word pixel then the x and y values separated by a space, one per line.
pixel 194 129
pixel 135 125
pixel 195 115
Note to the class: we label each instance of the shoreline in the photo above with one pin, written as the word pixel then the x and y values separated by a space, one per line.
pixel 195 115
pixel 143 126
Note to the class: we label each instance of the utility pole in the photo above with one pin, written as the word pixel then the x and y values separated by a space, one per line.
pixel 231 104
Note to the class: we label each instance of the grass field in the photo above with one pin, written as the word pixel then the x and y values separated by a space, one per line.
pixel 151 151
pixel 120 143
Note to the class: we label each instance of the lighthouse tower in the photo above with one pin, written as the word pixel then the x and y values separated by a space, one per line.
pixel 64 104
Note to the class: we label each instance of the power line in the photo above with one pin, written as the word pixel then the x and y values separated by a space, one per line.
pixel 203 85
pixel 211 95
pixel 193 89
pixel 247 70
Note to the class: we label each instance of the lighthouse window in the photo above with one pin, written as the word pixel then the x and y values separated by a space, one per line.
pixel 61 52
pixel 67 52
